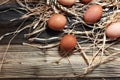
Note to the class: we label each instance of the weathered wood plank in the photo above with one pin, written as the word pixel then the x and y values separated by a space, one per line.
pixel 24 61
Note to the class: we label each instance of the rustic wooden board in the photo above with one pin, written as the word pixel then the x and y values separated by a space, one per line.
pixel 24 61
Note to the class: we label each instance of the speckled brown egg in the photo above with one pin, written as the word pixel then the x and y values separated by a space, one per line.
pixel 67 2
pixel 68 43
pixel 93 14
pixel 85 1
pixel 57 22
pixel 113 30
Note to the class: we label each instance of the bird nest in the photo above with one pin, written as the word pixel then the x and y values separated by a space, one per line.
pixel 39 11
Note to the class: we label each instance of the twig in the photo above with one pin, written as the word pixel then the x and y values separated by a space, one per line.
pixel 14 35
pixel 42 40
pixel 20 3
pixel 15 32
pixel 4 2
pixel 42 46
pixel 83 54
pixel 106 60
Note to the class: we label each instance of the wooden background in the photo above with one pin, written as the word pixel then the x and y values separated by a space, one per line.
pixel 28 62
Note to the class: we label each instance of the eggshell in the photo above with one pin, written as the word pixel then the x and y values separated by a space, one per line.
pixel 67 2
pixel 85 1
pixel 57 22
pixel 93 14
pixel 113 30
pixel 68 43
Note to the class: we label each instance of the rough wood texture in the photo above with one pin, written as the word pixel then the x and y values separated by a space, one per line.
pixel 23 62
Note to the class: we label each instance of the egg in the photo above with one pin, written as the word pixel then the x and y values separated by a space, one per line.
pixel 85 1
pixel 93 14
pixel 57 22
pixel 67 2
pixel 68 43
pixel 113 30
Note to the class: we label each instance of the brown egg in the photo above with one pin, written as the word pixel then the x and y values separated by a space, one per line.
pixel 68 43
pixel 113 30
pixel 85 1
pixel 57 22
pixel 93 14
pixel 67 2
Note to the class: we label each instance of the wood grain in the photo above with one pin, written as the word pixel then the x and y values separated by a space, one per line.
pixel 24 61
